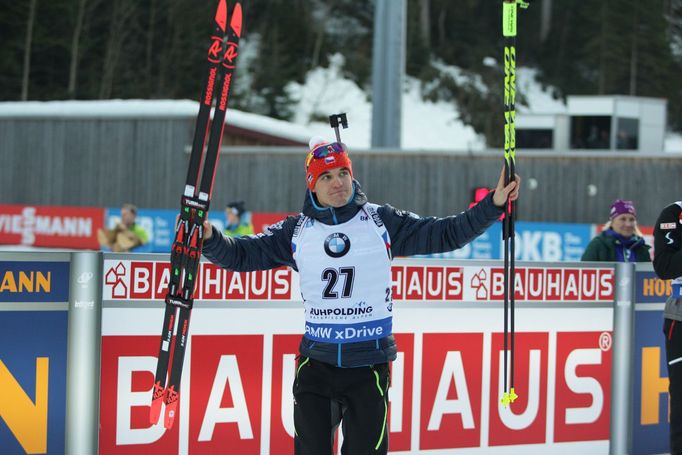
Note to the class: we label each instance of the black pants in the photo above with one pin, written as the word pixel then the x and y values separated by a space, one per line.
pixel 673 351
pixel 325 395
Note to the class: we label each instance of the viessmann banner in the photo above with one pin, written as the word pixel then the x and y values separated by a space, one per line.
pixel 240 361
pixel 50 226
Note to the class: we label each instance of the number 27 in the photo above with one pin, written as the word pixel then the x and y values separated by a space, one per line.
pixel 331 276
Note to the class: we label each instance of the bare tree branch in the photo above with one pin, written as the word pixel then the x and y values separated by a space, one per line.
pixel 27 49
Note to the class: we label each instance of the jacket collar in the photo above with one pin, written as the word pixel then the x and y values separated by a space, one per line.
pixel 331 215
pixel 633 242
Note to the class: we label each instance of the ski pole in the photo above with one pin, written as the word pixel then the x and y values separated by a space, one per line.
pixel 509 11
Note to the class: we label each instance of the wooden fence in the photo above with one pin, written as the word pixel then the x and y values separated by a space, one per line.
pixel 109 161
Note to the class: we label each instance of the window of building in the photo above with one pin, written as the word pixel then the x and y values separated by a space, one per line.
pixel 591 132
pixel 534 138
pixel 627 133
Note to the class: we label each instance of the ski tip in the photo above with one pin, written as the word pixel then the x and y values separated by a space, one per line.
pixel 157 400
pixel 155 411
pixel 171 400
pixel 170 415
pixel 236 20
pixel 221 15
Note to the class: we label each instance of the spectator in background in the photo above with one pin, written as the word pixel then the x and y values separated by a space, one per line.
pixel 126 235
pixel 668 266
pixel 620 240
pixel 238 220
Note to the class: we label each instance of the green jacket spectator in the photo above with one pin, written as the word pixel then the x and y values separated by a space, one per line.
pixel 126 235
pixel 607 246
pixel 238 220
pixel 621 240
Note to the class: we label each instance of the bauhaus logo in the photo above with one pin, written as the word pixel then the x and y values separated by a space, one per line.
pixel 481 284
pixel 147 280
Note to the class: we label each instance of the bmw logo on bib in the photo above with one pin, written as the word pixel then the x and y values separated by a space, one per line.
pixel 337 245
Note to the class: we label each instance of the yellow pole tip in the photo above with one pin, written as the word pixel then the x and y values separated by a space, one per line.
pixel 505 399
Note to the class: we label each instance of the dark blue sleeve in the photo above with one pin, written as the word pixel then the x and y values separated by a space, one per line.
pixel 411 234
pixel 267 250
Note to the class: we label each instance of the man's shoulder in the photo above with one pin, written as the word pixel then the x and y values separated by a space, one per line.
pixel 673 209
pixel 140 232
pixel 669 219
pixel 283 226
pixel 387 210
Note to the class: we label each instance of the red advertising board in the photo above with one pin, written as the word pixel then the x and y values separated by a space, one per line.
pixel 148 280
pixel 50 226
pixel 446 382
pixel 457 400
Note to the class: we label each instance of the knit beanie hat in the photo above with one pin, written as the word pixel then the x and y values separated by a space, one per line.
pixel 324 156
pixel 620 207
pixel 236 207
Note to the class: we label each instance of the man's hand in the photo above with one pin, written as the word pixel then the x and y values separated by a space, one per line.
pixel 208 230
pixel 511 191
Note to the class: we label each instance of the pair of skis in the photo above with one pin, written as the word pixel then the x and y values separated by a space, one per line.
pixel 509 11
pixel 189 231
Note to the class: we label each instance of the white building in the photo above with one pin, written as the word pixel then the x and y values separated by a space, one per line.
pixel 616 123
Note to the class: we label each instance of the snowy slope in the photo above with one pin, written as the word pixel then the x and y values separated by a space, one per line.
pixel 425 125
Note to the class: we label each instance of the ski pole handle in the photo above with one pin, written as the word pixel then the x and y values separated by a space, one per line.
pixel 336 120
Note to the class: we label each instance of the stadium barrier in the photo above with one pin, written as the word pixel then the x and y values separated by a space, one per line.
pixel 79 336
pixel 76 228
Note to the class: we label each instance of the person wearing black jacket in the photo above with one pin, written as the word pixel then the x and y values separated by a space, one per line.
pixel 668 266
pixel 342 246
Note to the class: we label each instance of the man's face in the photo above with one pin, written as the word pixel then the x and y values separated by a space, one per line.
pixel 232 218
pixel 127 217
pixel 334 187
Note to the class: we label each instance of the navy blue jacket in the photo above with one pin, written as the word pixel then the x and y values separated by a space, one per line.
pixel 409 233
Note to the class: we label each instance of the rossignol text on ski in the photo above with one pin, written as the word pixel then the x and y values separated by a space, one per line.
pixel 189 234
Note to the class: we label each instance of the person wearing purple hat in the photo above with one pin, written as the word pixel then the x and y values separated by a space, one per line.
pixel 620 240
pixel 668 266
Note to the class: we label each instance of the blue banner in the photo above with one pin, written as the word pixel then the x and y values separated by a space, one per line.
pixel 32 381
pixel 548 242
pixel 34 281
pixel 650 428
pixel 651 289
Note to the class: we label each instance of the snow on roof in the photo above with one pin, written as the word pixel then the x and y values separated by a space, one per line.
pixel 105 108
pixel 149 108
